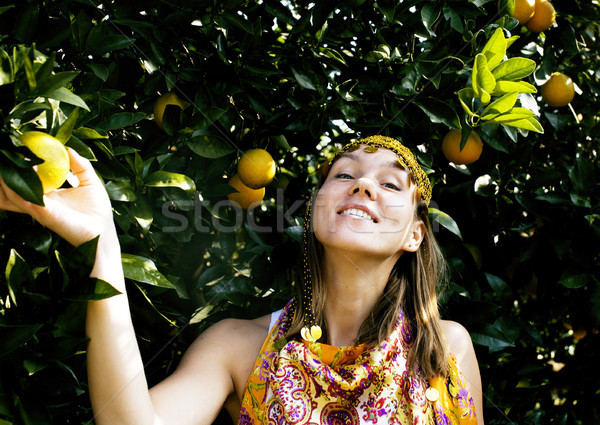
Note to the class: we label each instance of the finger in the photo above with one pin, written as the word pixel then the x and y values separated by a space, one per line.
pixel 82 168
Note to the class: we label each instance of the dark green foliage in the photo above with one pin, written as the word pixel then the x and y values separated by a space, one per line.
pixel 281 76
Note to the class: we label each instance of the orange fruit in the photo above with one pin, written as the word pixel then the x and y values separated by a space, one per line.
pixel 523 10
pixel 256 168
pixel 543 16
pixel 162 102
pixel 55 168
pixel 245 197
pixel 558 90
pixel 470 152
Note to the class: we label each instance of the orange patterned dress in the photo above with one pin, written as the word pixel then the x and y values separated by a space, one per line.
pixel 298 382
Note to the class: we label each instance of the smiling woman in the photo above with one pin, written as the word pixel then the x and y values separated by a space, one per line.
pixel 362 342
pixel 370 272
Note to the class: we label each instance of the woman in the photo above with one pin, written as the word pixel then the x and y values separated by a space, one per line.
pixel 361 343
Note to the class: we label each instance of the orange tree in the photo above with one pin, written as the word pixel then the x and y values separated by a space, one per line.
pixel 519 226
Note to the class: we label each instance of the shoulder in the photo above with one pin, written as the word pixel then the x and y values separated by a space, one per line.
pixel 235 335
pixel 230 347
pixel 461 346
pixel 458 338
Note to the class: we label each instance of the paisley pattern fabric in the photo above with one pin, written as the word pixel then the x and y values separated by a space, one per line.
pixel 298 382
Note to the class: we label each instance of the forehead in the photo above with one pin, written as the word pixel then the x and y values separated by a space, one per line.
pixel 377 157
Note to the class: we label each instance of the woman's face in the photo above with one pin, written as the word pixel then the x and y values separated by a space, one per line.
pixel 366 205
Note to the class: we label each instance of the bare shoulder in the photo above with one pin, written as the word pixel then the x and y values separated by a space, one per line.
pixel 236 340
pixel 213 371
pixel 458 338
pixel 461 346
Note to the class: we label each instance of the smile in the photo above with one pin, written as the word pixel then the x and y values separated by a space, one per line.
pixel 358 214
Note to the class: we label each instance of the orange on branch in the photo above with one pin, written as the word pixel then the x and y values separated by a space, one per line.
pixel 256 168
pixel 470 152
pixel 558 90
pixel 161 104
pixel 55 168
pixel 543 16
pixel 245 196
pixel 523 10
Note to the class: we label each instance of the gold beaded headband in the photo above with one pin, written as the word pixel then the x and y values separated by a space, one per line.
pixel 405 158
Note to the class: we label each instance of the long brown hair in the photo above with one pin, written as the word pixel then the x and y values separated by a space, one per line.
pixel 412 287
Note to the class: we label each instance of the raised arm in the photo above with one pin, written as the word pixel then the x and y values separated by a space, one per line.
pixel 118 387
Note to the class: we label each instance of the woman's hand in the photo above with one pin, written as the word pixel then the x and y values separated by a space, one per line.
pixel 77 214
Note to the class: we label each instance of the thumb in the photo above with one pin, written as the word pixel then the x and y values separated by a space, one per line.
pixel 83 169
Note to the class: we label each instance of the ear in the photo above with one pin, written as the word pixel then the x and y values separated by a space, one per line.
pixel 415 237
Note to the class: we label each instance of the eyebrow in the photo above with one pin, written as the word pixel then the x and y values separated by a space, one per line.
pixel 389 164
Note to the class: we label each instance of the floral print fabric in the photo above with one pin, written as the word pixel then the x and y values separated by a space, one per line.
pixel 297 382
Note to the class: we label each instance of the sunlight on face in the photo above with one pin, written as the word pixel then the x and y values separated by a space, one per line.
pixel 366 203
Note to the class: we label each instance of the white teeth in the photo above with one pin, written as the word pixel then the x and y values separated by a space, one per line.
pixel 357 213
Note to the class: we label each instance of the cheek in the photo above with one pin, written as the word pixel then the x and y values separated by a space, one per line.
pixel 320 216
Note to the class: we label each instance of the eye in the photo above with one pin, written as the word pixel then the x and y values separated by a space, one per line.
pixel 343 176
pixel 391 186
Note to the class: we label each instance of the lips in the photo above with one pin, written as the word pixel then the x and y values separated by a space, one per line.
pixel 358 211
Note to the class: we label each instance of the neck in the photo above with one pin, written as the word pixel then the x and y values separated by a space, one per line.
pixel 354 285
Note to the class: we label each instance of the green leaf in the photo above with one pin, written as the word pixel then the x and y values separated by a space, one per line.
pixel 167 179
pixel 440 112
pixel 483 82
pixel 64 95
pixel 333 54
pixel 143 270
pixel 303 80
pixel 455 19
pixel 81 148
pixel 100 70
pixel 429 14
pixel 121 120
pixel 29 72
pixel 495 49
pixel 238 21
pixel 582 175
pixel 281 141
pixel 201 314
pixel 24 181
pixel 17 272
pixel 103 39
pixel 499 286
pixel 572 280
pixel 66 129
pixel 5 8
pixel 529 123
pixel 121 190
pixel 6 68
pixel 89 133
pixel 513 114
pixel 437 216
pixel 14 336
pixel 503 87
pixel 500 106
pixel 506 7
pixel 29 106
pixel 513 69
pixel 142 212
pixel 92 290
pixel 493 343
pixel 209 146
pixel 465 97
pixel 53 82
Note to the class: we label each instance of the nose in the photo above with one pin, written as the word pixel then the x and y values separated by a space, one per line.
pixel 364 185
